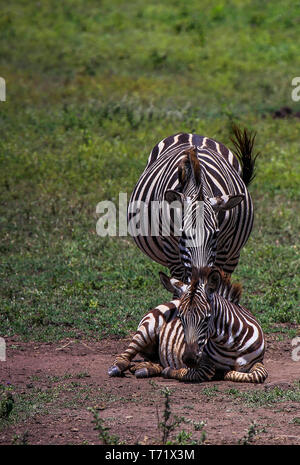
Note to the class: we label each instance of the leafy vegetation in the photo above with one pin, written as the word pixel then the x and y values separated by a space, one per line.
pixel 91 88
pixel 71 391
pixel 267 397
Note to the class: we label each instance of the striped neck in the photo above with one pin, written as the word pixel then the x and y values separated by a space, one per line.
pixel 198 242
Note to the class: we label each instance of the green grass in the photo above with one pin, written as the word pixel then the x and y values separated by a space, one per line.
pixel 266 398
pixel 59 393
pixel 91 88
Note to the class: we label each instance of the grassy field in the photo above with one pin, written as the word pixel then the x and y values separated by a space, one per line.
pixel 91 87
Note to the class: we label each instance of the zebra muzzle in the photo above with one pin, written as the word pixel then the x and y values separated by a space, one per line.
pixel 191 356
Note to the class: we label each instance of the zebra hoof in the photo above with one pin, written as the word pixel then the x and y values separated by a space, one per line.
pixel 142 373
pixel 114 371
pixel 166 373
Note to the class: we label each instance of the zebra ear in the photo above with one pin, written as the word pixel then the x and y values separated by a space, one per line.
pixel 173 196
pixel 172 285
pixel 226 202
pixel 213 283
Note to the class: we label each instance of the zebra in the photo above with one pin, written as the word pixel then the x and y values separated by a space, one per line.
pixel 188 168
pixel 203 334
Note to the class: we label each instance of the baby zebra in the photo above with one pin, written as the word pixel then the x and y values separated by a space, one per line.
pixel 204 334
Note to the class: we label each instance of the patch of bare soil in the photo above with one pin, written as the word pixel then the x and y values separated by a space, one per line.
pixel 54 384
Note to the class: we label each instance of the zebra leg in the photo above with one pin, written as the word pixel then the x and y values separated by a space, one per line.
pixel 121 364
pixel 146 369
pixel 144 340
pixel 204 372
pixel 123 361
pixel 257 374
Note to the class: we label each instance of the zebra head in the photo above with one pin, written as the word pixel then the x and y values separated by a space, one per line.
pixel 195 310
pixel 200 225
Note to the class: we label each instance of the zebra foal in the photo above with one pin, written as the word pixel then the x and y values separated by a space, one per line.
pixel 204 334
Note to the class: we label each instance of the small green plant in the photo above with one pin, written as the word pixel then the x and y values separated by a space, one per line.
pixel 266 397
pixel 199 425
pixel 104 436
pixel 6 405
pixel 232 391
pixel 211 391
pixel 249 436
pixel 252 431
pixel 183 438
pixel 296 421
pixel 170 422
pixel 83 374
pixel 20 439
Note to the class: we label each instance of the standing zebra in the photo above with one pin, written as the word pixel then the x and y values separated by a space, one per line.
pixel 203 334
pixel 190 168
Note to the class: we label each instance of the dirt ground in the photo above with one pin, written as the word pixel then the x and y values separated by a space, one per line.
pixel 54 384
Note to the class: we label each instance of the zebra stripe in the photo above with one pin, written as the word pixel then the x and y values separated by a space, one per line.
pixel 220 176
pixel 202 334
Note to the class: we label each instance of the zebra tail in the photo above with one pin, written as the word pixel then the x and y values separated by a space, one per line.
pixel 244 143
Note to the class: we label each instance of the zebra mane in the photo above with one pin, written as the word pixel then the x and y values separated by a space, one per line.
pixel 228 290
pixel 188 167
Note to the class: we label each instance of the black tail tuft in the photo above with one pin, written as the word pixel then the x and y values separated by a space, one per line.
pixel 244 142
